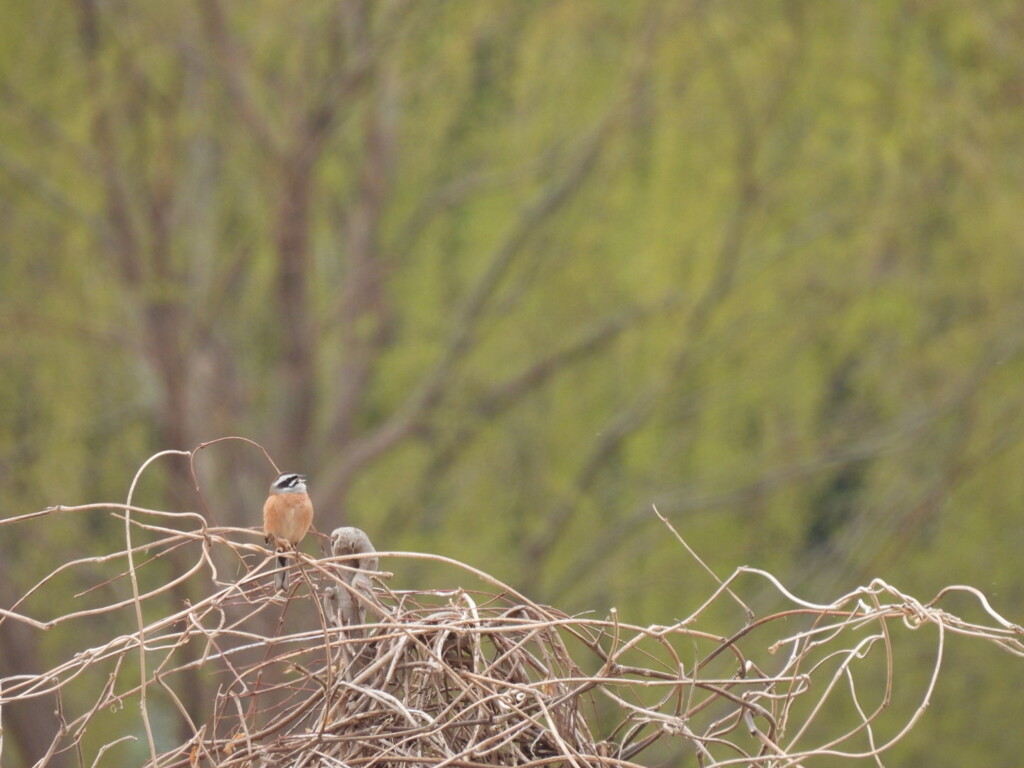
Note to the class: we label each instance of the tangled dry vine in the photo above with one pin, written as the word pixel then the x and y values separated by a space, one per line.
pixel 463 676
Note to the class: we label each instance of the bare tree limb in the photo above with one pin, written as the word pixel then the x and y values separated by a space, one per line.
pixel 410 416
pixel 235 71
pixel 507 394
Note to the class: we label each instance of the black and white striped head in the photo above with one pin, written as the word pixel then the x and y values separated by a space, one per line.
pixel 289 482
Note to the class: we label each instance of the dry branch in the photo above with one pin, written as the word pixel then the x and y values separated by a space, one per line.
pixel 459 677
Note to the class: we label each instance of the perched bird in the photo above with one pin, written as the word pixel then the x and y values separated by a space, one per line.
pixel 287 515
pixel 344 607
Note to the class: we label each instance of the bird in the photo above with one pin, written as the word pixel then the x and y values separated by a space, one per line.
pixel 287 515
pixel 348 607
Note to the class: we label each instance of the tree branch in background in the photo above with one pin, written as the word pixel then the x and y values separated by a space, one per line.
pixel 362 308
pixel 411 414
pixel 235 71
pixel 506 395
pixel 892 438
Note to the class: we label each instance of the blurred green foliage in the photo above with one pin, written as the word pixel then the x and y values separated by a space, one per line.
pixel 500 276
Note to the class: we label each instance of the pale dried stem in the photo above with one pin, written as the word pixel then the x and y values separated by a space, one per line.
pixel 457 677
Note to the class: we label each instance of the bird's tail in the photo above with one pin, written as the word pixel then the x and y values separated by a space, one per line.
pixel 281 577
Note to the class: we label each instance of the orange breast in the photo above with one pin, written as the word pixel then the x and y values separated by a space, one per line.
pixel 287 516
